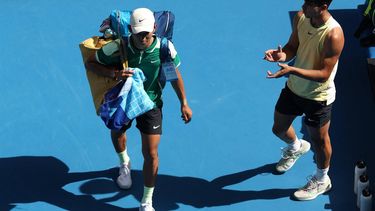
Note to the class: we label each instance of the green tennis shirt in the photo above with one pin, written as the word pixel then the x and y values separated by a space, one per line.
pixel 147 60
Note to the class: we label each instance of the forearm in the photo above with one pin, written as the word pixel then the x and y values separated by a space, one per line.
pixel 290 52
pixel 313 75
pixel 103 70
pixel 178 87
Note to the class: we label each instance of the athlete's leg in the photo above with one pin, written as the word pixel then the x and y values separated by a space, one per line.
pixel 322 144
pixel 320 182
pixel 282 127
pixel 150 166
pixel 150 145
pixel 118 140
pixel 124 180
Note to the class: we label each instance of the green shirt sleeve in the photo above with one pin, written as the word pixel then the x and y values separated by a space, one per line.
pixel 109 54
pixel 174 55
pixel 176 61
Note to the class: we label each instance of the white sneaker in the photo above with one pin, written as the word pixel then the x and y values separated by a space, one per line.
pixel 146 207
pixel 289 158
pixel 124 180
pixel 312 189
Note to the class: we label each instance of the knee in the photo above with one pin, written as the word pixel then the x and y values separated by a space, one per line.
pixel 117 135
pixel 322 142
pixel 150 154
pixel 278 131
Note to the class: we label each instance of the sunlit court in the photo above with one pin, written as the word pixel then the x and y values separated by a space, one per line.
pixel 57 154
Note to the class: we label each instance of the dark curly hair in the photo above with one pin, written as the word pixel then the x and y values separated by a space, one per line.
pixel 320 2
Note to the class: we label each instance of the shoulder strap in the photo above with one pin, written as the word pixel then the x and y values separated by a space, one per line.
pixel 165 53
pixel 369 7
pixel 123 52
pixel 123 43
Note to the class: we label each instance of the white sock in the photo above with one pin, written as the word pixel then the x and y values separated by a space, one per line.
pixel 147 195
pixel 295 145
pixel 124 157
pixel 321 174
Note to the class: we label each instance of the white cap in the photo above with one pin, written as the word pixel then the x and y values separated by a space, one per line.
pixel 142 20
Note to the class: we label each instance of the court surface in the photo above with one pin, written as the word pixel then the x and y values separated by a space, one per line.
pixel 56 154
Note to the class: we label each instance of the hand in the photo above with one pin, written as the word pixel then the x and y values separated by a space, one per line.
pixel 274 55
pixel 123 74
pixel 186 113
pixel 285 69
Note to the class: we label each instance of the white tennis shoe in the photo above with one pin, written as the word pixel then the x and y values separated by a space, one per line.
pixel 289 158
pixel 124 179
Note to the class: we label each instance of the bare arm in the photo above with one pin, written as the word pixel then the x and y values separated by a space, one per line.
pixel 290 49
pixel 178 86
pixel 333 45
pixel 105 70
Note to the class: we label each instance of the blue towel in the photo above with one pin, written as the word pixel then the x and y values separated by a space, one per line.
pixel 125 101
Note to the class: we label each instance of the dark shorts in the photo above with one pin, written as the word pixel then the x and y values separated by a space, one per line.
pixel 317 113
pixel 148 123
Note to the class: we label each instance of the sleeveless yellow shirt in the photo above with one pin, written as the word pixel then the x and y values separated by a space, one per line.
pixel 309 56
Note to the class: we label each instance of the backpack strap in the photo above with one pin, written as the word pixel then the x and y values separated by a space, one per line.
pixel 167 69
pixel 369 7
pixel 165 53
pixel 123 44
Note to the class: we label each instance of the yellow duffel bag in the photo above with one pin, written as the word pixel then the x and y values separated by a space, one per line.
pixel 98 84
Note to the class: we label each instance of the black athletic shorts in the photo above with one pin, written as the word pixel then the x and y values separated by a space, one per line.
pixel 317 113
pixel 148 123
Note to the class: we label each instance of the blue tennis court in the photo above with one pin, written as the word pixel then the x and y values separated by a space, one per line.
pixel 56 154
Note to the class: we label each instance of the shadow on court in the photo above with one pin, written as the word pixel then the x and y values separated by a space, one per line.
pixel 351 130
pixel 192 191
pixel 29 179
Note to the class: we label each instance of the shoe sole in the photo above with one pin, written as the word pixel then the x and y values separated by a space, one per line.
pixel 329 187
pixel 302 153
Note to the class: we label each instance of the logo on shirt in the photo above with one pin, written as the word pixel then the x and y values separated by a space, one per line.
pixel 310 120
pixel 155 127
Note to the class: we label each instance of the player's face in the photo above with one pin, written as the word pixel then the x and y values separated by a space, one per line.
pixel 142 40
pixel 311 9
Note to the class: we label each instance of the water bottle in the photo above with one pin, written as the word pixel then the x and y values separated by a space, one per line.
pixel 366 200
pixel 363 183
pixel 360 168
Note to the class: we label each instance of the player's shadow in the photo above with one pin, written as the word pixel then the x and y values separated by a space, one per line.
pixel 192 191
pixel 29 179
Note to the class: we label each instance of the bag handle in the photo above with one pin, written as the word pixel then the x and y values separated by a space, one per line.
pixel 122 49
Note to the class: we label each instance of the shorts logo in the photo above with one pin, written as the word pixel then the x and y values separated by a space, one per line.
pixel 155 127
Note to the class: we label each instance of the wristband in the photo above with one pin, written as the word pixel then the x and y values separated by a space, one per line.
pixel 184 102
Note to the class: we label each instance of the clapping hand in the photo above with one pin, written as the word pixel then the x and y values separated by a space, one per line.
pixel 275 55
